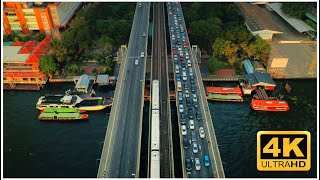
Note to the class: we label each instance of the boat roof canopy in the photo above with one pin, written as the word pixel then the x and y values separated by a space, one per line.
pixel 259 78
pixel 83 82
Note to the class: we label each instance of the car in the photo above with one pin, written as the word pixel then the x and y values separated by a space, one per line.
pixel 184 44
pixel 187 93
pixel 198 115
pixel 187 57
pixel 170 11
pixel 184 69
pixel 193 136
pixel 193 88
pixel 191 124
pixel 136 62
pixel 195 147
pixel 183 64
pixel 179 48
pixel 188 102
pixel 197 164
pixel 186 86
pixel 186 143
pixel 183 130
pixel 174 52
pixel 191 79
pixel 178 78
pixel 139 4
pixel 181 108
pixel 144 34
pixel 188 164
pixel 189 62
pixel 180 96
pixel 142 54
pixel 206 161
pixel 194 97
pixel 190 113
pixel 173 37
pixel 183 118
pixel 175 57
pixel 201 133
pixel 181 58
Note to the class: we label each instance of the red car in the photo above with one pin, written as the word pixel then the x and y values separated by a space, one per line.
pixel 184 44
pixel 174 52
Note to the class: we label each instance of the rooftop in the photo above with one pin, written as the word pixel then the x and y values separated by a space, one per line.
pixel 10 54
pixel 298 24
pixel 257 19
pixel 259 77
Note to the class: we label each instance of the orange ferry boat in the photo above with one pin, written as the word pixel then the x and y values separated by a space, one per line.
pixel 269 105
pixel 224 93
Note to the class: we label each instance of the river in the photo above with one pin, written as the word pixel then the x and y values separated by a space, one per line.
pixel 34 148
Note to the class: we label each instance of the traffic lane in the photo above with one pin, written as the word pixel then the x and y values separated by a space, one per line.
pixel 129 164
pixel 122 127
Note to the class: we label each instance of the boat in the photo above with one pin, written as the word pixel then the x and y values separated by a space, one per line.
pixel 74 101
pixel 95 103
pixel 62 110
pixel 269 105
pixel 62 116
pixel 262 102
pixel 233 94
pixel 58 101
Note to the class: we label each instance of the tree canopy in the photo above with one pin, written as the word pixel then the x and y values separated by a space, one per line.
pixel 295 9
pixel 48 65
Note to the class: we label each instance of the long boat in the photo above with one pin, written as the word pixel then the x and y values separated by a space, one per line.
pixel 62 116
pixel 233 94
pixel 74 101
pixel 269 105
pixel 95 103
pixel 62 110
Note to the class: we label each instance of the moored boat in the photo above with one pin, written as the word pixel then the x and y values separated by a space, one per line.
pixel 233 94
pixel 269 105
pixel 74 101
pixel 62 110
pixel 62 116
pixel 95 103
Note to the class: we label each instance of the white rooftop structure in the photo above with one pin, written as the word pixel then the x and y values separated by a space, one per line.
pixel 11 54
pixel 83 84
pixel 298 24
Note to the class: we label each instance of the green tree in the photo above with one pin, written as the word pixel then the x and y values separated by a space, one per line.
pixel 48 65
pixel 106 70
pixel 295 9
pixel 73 69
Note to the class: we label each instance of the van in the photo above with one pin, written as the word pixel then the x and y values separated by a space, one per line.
pixel 177 69
pixel 190 72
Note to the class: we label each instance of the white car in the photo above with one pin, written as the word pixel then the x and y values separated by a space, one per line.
pixel 173 37
pixel 136 62
pixel 189 63
pixel 142 54
pixel 144 34
pixel 191 123
pixel 201 132
pixel 194 97
pixel 181 108
pixel 187 93
pixel 195 148
pixel 183 130
pixel 197 164
pixel 139 4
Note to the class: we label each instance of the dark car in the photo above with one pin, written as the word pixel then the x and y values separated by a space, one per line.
pixel 188 164
pixel 186 143
pixel 198 115
pixel 183 118
pixel 191 79
pixel 183 64
pixel 186 86
pixel 190 113
pixel 193 88
pixel 188 102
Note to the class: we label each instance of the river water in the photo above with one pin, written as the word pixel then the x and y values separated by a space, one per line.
pixel 33 148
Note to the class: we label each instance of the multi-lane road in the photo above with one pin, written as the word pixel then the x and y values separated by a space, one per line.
pixel 121 151
pixel 181 54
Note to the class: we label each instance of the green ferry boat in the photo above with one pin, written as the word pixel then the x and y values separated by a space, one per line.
pixel 62 110
pixel 62 116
